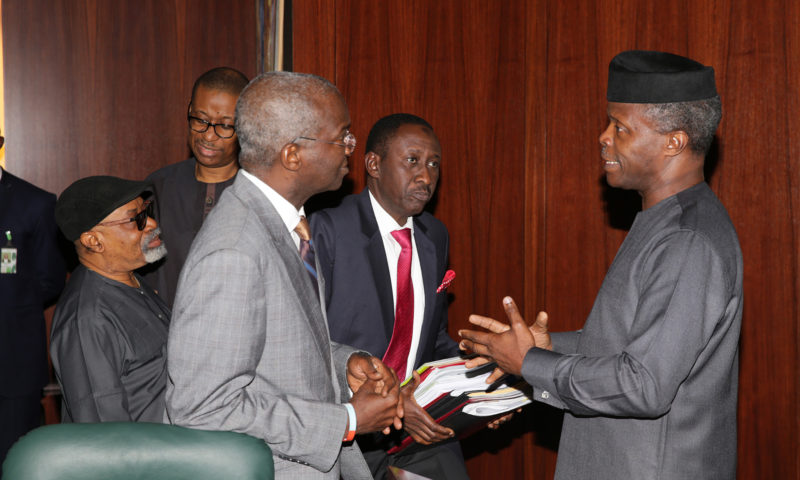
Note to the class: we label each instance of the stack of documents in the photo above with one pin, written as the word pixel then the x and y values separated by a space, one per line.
pixel 459 398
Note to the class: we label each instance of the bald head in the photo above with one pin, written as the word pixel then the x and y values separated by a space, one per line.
pixel 274 109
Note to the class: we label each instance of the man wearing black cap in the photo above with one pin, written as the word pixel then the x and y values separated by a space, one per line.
pixel 109 334
pixel 649 385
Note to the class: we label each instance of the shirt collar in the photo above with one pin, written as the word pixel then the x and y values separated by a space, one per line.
pixel 387 224
pixel 287 212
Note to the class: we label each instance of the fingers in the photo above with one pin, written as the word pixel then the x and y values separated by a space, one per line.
pixel 399 413
pixel 490 324
pixel 382 372
pixel 541 321
pixel 495 376
pixel 422 427
pixel 518 325
pixel 469 345
pixel 495 424
pixel 512 312
pixel 409 388
pixel 475 338
pixel 476 362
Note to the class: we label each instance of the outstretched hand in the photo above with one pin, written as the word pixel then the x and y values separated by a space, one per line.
pixel 506 344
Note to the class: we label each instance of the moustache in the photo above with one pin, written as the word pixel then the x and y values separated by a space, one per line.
pixel 151 236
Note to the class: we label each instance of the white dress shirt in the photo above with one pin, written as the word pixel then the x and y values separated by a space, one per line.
pixel 287 212
pixel 386 225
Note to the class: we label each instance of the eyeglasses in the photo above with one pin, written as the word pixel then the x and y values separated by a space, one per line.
pixel 223 130
pixel 349 142
pixel 140 218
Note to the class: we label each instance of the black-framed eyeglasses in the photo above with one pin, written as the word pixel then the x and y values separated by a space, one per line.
pixel 140 218
pixel 223 130
pixel 348 142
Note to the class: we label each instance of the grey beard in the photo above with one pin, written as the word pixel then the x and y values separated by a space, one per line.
pixel 153 254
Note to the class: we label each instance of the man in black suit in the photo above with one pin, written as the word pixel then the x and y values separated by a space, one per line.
pixel 31 277
pixel 360 251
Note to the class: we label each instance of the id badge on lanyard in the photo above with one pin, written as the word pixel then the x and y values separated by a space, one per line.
pixel 8 256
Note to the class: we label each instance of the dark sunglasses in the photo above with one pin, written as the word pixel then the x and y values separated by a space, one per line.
pixel 140 218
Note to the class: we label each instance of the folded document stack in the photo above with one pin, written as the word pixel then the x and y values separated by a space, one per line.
pixel 460 398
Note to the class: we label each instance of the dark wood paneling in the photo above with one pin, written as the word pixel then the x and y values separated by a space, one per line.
pixel 96 87
pixel 757 178
pixel 522 191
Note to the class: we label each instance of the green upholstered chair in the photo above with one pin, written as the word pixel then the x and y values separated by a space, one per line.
pixel 136 451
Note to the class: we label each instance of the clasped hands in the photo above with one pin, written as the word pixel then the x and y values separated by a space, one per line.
pixel 380 402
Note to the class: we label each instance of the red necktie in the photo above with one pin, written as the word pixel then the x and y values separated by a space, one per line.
pixel 396 355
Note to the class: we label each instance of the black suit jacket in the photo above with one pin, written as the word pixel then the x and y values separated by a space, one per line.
pixel 358 296
pixel 28 212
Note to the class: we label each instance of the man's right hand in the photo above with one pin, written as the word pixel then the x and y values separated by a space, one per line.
pixel 375 412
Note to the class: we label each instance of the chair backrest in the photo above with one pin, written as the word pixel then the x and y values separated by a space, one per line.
pixel 136 451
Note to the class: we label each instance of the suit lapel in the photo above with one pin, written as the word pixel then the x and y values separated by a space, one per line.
pixel 288 254
pixel 377 262
pixel 7 201
pixel 426 251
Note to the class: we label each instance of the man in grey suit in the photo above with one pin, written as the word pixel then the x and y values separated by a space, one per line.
pixel 649 384
pixel 249 349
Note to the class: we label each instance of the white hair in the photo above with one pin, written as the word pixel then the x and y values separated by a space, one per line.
pixel 274 109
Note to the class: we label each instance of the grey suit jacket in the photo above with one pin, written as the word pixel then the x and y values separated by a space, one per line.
pixel 249 350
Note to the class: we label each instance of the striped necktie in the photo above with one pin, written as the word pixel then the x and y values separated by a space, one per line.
pixel 396 355
pixel 307 248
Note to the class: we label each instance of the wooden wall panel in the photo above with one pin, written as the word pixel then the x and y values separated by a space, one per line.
pixel 444 61
pixel 755 180
pixel 97 87
pixel 788 316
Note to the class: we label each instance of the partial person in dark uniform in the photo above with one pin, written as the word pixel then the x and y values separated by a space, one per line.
pixel 109 336
pixel 360 247
pixel 186 191
pixel 31 277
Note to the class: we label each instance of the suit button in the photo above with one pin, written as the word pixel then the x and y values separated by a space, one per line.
pixel 545 394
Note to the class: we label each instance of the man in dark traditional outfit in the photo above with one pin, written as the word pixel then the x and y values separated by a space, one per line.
pixel 186 191
pixel 109 334
pixel 649 385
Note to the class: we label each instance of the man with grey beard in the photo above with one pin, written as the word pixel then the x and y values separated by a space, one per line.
pixel 109 337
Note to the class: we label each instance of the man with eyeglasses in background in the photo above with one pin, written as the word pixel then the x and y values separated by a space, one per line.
pixel 186 191
pixel 109 336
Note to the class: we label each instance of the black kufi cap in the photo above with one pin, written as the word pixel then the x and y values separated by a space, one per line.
pixel 639 76
pixel 89 200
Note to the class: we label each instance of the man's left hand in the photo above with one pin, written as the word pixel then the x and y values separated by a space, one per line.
pixel 417 422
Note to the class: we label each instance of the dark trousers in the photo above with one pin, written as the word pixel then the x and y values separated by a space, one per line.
pixel 18 416
pixel 443 461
